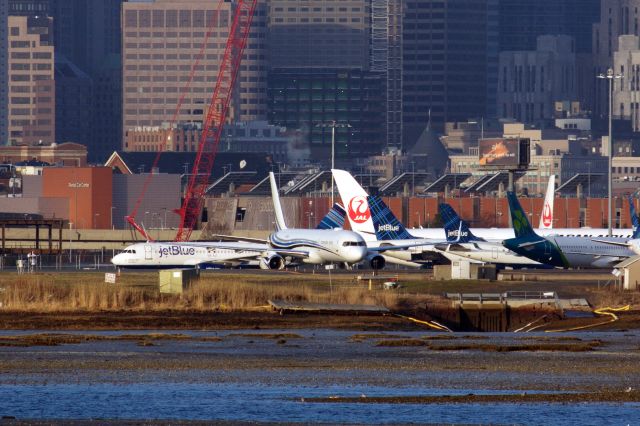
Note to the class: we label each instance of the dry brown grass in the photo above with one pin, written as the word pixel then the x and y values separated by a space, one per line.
pixel 53 293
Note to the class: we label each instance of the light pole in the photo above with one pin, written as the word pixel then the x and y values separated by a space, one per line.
pixel 589 179
pixel 413 178
pixel 95 221
pixel 112 225
pixel 610 76
pixel 70 225
pixel 333 126
pixel 481 126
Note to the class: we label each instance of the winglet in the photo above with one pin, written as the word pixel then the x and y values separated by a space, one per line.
pixel 521 225
pixel 635 222
pixel 277 207
pixel 546 217
pixel 456 229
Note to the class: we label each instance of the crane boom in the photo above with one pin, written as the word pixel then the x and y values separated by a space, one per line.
pixel 216 115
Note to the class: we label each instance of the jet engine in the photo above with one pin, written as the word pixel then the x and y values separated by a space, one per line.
pixel 376 261
pixel 272 261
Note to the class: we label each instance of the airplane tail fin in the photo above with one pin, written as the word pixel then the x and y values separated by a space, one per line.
pixel 546 217
pixel 334 219
pixel 456 229
pixel 354 200
pixel 277 207
pixel 635 221
pixel 386 224
pixel 521 225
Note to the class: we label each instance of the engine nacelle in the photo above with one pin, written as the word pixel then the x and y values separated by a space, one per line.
pixel 272 261
pixel 376 261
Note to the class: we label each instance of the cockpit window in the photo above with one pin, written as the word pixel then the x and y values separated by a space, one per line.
pixel 130 251
pixel 353 244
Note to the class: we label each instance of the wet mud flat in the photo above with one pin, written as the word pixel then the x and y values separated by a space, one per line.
pixel 319 375
pixel 192 320
pixel 267 319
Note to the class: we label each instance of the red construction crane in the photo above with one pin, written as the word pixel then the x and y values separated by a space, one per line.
pixel 216 115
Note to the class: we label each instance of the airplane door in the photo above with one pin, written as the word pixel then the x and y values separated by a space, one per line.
pixel 148 254
pixel 494 253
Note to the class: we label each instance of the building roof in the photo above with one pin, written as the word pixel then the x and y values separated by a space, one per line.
pixel 182 163
pixel 237 179
pixel 397 183
pixel 305 185
pixel 264 188
pixel 584 179
pixel 628 262
pixel 492 182
pixel 452 180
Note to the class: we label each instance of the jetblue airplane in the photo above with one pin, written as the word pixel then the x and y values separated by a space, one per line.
pixel 167 255
pixel 372 219
pixel 461 242
pixel 566 251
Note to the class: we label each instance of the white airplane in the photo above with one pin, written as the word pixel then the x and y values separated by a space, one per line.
pixel 567 251
pixel 167 255
pixel 545 227
pixel 371 218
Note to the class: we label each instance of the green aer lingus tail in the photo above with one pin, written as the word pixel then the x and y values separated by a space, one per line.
pixel 563 251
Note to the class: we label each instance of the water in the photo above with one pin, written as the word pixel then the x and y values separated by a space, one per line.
pixel 245 378
pixel 241 402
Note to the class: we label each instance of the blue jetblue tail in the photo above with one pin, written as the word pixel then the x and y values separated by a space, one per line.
pixel 456 229
pixel 334 219
pixel 386 225
pixel 635 222
pixel 521 225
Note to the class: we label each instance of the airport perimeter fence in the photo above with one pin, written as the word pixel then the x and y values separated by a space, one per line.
pixel 69 261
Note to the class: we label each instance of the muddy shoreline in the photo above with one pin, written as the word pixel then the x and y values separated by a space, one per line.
pixel 254 319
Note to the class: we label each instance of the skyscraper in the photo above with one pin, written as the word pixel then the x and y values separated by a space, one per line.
pixel 522 21
pixel 87 40
pixel 532 81
pixel 328 65
pixel 617 17
pixel 4 67
pixel 448 51
pixel 162 39
pixel 32 89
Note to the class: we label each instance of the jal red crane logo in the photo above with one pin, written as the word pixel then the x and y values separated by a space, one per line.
pixel 547 217
pixel 359 209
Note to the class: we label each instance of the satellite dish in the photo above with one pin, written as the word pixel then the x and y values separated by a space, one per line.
pixel 243 164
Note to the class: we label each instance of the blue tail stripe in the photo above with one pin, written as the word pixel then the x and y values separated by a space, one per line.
pixel 386 225
pixel 334 219
pixel 456 229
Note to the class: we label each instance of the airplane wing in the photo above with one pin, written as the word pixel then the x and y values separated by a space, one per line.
pixel 238 239
pixel 229 245
pixel 531 243
pixel 392 247
pixel 613 243
pixel 293 253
